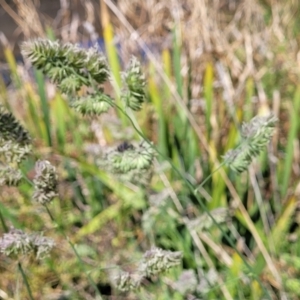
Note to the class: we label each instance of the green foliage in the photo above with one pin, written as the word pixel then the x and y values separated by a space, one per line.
pixel 106 205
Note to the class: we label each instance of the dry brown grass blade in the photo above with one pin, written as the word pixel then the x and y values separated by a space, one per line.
pixel 13 14
pixel 210 263
pixel 29 15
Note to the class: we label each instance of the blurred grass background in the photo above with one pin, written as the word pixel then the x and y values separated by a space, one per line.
pixel 211 65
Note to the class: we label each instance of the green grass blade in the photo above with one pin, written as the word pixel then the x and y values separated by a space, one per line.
pixel 290 143
pixel 112 55
pixel 44 104
pixel 157 101
pixel 282 225
pixel 36 124
pixel 167 67
pixel 3 95
pixel 248 109
pixel 9 56
pixel 177 63
pixel 60 112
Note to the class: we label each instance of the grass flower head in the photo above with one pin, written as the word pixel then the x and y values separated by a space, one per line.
pixel 17 243
pixel 255 136
pixel 45 182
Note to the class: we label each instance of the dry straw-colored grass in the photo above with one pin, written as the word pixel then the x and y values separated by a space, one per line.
pixel 231 34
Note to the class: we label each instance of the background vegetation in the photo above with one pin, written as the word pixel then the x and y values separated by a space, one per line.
pixel 210 66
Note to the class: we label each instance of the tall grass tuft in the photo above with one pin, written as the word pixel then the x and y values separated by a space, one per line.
pixel 189 173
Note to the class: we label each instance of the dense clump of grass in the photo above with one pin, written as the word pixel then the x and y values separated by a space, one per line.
pixel 80 68
pixel 123 163
pixel 71 68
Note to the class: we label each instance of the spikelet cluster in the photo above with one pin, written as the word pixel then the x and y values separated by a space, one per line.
pixel 134 95
pixel 137 177
pixel 17 243
pixel 60 62
pixel 45 182
pixel 128 157
pixel 9 176
pixel 15 142
pixel 157 260
pixel 15 145
pixel 93 104
pixel 255 136
pixel 129 162
pixel 154 262
pixel 71 68
pixel 11 130
pixel 13 152
pixel 125 281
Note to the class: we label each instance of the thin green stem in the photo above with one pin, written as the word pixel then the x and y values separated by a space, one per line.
pixel 66 237
pixel 26 178
pixel 20 268
pixel 208 177
pixel 81 262
pixel 4 226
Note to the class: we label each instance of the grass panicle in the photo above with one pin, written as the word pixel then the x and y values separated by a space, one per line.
pixel 134 93
pixel 154 262
pixel 11 129
pixel 93 104
pixel 9 176
pixel 125 281
pixel 128 157
pixel 45 182
pixel 17 243
pixel 15 142
pixel 157 260
pixel 255 136
pixel 67 65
